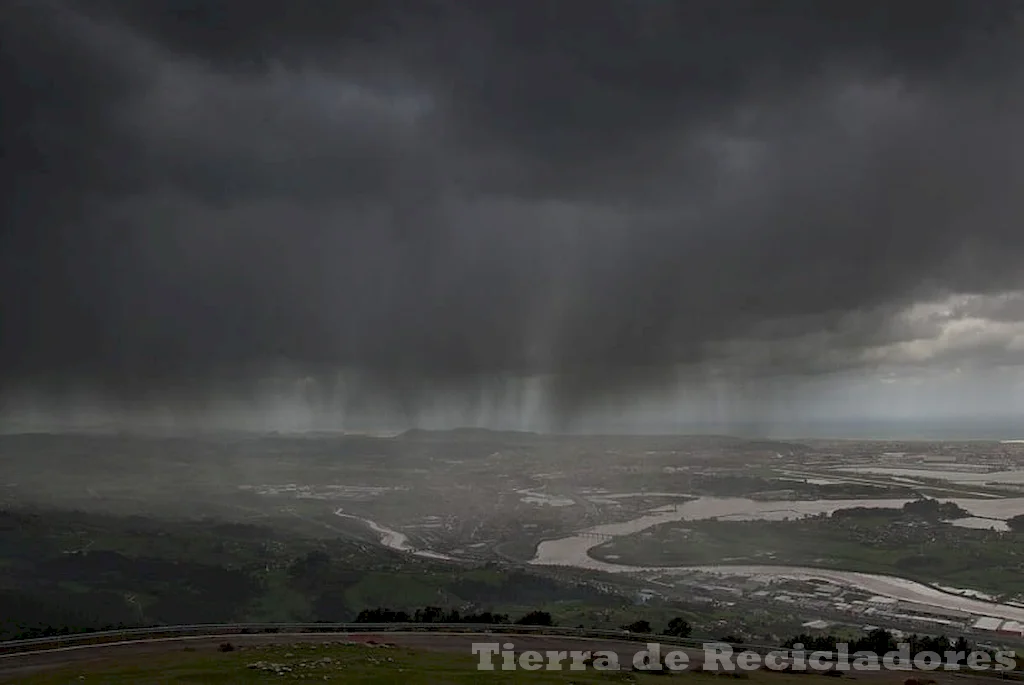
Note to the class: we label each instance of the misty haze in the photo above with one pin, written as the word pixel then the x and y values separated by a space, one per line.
pixel 686 319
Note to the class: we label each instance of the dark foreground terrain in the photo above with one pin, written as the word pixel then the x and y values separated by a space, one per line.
pixel 388 658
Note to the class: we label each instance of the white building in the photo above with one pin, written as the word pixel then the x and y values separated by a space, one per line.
pixel 987 623
pixel 817 625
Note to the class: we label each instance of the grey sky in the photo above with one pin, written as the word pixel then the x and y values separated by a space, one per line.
pixel 442 196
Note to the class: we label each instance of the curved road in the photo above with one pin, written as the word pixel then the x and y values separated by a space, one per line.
pixel 14 667
pixel 17 665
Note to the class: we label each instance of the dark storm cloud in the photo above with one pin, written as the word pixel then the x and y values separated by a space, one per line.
pixel 446 193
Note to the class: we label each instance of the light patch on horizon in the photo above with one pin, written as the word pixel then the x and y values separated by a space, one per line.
pixel 958 335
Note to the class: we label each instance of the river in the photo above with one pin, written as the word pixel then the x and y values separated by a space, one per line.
pixel 394 539
pixel 573 550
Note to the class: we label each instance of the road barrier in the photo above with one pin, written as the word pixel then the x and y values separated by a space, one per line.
pixel 11 647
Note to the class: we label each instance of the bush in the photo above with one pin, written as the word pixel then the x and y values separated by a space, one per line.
pixel 638 627
pixel 678 627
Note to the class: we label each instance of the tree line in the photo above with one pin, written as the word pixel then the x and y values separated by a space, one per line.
pixel 881 641
pixel 439 615
pixel 26 633
pixel 677 627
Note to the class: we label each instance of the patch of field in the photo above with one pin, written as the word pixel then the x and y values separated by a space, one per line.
pixel 392 589
pixel 877 541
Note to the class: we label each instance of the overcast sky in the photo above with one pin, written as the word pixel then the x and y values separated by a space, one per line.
pixel 687 208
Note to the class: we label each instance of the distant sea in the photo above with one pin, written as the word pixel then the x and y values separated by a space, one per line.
pixel 955 429
pixel 850 429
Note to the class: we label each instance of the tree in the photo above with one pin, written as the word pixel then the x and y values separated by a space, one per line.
pixel 678 627
pixel 429 615
pixel 381 615
pixel 962 647
pixel 536 618
pixel 931 509
pixel 485 617
pixel 878 641
pixel 640 626
pixel 1016 523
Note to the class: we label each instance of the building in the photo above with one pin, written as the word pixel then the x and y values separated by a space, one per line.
pixel 929 610
pixel 817 625
pixel 1011 629
pixel 988 623
pixel 939 459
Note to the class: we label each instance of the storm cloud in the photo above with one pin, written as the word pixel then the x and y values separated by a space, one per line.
pixel 441 196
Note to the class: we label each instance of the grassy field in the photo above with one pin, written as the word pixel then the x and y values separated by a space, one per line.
pixel 354 664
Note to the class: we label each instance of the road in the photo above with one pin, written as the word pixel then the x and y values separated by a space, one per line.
pixel 13 667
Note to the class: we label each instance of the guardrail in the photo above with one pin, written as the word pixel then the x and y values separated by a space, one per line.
pixel 199 629
pixel 13 648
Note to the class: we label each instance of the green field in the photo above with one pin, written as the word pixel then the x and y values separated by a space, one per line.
pixel 352 664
